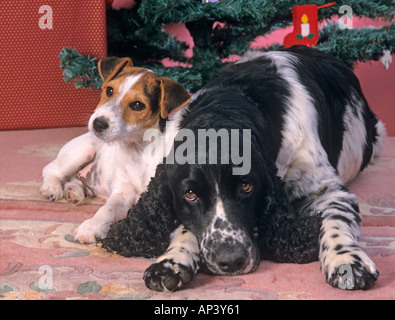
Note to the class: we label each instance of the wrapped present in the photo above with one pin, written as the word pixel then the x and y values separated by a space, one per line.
pixel 33 32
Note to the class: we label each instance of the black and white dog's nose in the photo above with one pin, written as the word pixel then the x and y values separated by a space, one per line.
pixel 100 124
pixel 231 261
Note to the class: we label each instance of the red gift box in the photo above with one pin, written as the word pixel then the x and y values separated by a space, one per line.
pixel 33 93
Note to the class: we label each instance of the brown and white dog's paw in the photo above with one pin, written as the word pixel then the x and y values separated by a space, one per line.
pixel 74 192
pixel 52 190
pixel 90 230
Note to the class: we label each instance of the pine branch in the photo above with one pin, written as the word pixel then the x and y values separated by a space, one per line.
pixel 351 45
pixel 83 72
pixel 364 8
pixel 80 70
pixel 128 35
pixel 190 78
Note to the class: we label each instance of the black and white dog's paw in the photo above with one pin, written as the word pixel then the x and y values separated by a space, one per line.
pixel 359 273
pixel 353 277
pixel 167 275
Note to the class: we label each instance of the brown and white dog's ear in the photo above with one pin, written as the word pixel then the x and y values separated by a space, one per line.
pixel 111 66
pixel 173 96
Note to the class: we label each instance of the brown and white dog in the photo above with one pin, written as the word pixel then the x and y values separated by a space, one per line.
pixel 132 101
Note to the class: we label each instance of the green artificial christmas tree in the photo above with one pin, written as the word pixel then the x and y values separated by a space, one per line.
pixel 221 28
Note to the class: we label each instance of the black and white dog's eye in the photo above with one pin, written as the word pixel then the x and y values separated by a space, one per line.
pixel 137 106
pixel 109 91
pixel 191 196
pixel 245 188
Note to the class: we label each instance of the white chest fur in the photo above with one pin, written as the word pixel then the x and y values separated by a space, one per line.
pixel 119 167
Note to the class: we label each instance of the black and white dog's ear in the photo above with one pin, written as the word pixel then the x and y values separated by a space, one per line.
pixel 146 230
pixel 284 234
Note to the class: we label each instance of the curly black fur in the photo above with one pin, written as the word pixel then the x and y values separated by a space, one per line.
pixel 145 232
pixel 285 235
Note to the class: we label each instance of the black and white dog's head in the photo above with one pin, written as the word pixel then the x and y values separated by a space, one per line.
pixel 219 208
pixel 219 197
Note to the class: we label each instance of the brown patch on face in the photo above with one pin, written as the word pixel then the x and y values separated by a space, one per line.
pixel 141 104
pixel 114 85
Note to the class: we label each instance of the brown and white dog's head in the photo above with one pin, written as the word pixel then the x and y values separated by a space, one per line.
pixel 133 100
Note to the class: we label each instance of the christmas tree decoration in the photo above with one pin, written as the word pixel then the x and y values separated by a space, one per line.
pixel 386 59
pixel 226 28
pixel 79 70
pixel 351 45
pixel 305 21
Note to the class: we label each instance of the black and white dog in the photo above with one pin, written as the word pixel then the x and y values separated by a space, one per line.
pixel 309 131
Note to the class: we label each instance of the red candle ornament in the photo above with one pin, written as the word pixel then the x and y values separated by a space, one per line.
pixel 305 22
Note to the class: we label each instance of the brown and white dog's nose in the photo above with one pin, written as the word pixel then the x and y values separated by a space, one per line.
pixel 100 124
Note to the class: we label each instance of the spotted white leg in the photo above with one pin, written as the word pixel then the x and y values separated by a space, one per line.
pixel 177 266
pixel 338 241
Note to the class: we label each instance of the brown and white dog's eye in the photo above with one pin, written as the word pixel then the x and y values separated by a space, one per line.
pixel 191 196
pixel 109 91
pixel 137 106
pixel 245 188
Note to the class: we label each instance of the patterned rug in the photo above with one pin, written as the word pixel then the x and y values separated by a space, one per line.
pixel 40 260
